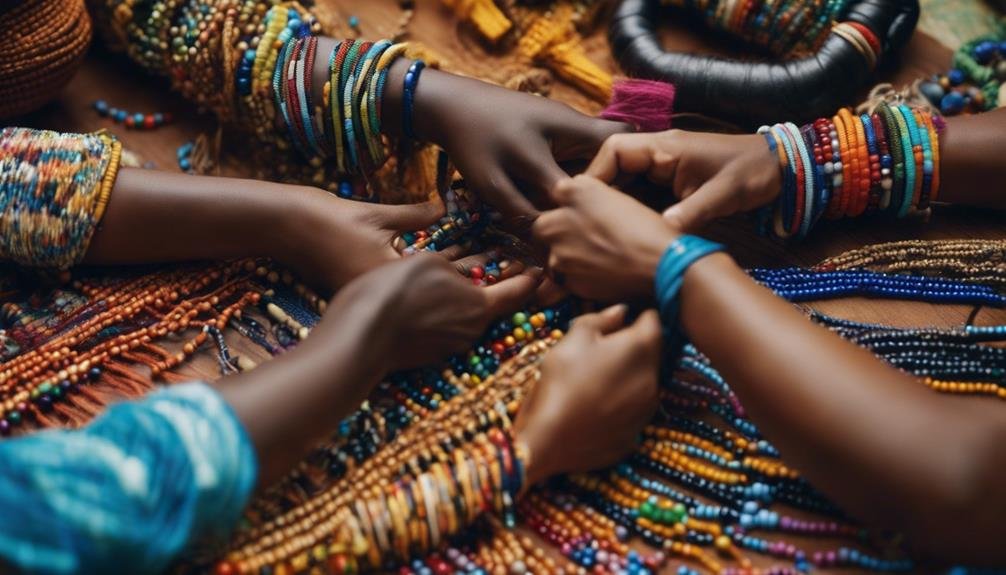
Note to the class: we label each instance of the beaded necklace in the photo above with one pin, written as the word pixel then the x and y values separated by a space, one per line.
pixel 402 476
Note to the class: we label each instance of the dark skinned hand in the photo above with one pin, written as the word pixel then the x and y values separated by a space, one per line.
pixel 712 175
pixel 505 142
pixel 603 244
pixel 598 388
pixel 342 239
pixel 427 311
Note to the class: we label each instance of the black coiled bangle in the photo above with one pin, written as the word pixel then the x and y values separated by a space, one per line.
pixel 751 93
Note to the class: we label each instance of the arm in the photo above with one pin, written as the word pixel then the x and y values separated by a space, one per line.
pixel 64 200
pixel 885 448
pixel 504 142
pixel 882 446
pixel 716 175
pixel 133 489
pixel 571 419
pixel 129 491
pixel 972 148
pixel 160 216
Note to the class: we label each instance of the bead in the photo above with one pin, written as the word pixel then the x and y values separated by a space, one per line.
pixel 952 103
pixel 984 52
pixel 933 92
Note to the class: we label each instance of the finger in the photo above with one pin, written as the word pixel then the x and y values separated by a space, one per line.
pixel 622 153
pixel 549 293
pixel 645 333
pixel 547 225
pixel 600 323
pixel 499 190
pixel 582 139
pixel 573 191
pixel 510 295
pixel 539 168
pixel 465 265
pixel 712 200
pixel 663 168
pixel 511 268
pixel 411 217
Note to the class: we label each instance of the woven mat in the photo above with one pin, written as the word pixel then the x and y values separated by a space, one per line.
pixel 953 22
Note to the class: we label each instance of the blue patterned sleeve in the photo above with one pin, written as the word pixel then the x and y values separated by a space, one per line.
pixel 130 491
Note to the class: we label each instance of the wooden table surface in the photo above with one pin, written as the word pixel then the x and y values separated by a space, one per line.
pixel 113 78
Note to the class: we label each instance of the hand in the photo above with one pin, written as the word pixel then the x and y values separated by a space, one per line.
pixel 603 244
pixel 598 389
pixel 331 241
pixel 503 141
pixel 422 311
pixel 713 175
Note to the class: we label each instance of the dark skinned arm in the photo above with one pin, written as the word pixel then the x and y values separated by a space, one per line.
pixel 291 403
pixel 884 447
pixel 506 144
pixel 972 149
pixel 717 175
pixel 879 444
pixel 162 216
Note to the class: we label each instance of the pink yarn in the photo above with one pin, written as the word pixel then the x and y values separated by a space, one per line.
pixel 646 104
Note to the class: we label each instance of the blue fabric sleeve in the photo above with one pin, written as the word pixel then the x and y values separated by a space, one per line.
pixel 128 492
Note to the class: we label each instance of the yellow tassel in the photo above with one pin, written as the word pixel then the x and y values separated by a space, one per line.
pixel 487 18
pixel 554 42
pixel 421 51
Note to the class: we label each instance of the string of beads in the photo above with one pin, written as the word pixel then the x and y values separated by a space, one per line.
pixel 783 28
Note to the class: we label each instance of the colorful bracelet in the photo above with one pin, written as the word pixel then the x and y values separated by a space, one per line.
pixel 677 258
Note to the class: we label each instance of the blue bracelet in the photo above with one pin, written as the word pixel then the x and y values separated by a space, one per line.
pixel 681 254
pixel 808 176
pixel 409 96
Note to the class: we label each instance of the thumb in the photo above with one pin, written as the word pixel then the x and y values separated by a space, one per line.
pixel 601 323
pixel 644 334
pixel 411 217
pixel 709 202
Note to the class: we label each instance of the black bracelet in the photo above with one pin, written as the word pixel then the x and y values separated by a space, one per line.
pixel 751 93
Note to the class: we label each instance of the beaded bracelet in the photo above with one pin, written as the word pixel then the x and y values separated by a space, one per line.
pixel 251 61
pixel 678 257
pixel 850 165
pixel 409 95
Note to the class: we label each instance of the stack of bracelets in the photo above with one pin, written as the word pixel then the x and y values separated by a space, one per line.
pixel 886 162
pixel 347 124
pixel 781 27
pixel 250 60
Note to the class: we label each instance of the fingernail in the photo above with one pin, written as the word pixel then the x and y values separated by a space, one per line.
pixel 619 308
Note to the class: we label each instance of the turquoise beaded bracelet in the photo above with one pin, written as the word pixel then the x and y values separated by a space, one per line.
pixel 678 257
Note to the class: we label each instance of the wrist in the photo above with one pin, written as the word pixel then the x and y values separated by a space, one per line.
pixel 648 259
pixel 536 464
pixel 296 224
pixel 356 333
pixel 428 99
pixel 535 439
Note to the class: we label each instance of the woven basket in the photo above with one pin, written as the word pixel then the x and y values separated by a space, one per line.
pixel 41 45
